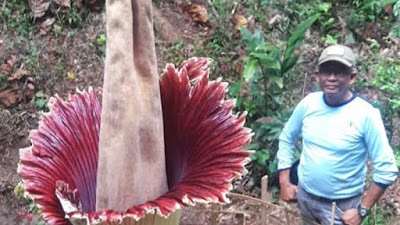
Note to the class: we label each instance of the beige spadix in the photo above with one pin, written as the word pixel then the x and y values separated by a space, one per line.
pixel 131 166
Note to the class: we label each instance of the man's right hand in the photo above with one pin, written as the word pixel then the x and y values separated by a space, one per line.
pixel 288 190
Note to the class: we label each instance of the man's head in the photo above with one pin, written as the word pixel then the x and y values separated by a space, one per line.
pixel 336 71
pixel 338 53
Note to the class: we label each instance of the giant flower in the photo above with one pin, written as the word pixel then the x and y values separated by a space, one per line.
pixel 203 150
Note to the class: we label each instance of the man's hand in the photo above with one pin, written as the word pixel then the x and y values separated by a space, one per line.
pixel 288 190
pixel 351 217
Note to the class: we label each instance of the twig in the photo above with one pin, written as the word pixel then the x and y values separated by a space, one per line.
pixel 235 8
pixel 232 194
pixel 304 86
pixel 214 214
pixel 2 11
pixel 213 9
pixel 333 213
pixel 265 197
pixel 4 5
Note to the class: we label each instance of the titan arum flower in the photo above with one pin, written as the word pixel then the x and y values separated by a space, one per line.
pixel 203 150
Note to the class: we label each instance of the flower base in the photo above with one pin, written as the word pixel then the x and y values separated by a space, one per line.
pixel 149 219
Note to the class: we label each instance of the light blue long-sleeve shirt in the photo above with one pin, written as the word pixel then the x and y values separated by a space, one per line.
pixel 336 143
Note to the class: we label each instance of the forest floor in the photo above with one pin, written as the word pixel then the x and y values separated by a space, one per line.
pixel 64 59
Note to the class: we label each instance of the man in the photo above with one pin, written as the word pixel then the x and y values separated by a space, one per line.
pixel 339 130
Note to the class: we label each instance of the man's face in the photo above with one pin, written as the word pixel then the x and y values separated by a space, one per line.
pixel 335 78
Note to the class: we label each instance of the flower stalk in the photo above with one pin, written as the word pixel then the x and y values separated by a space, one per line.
pixel 131 166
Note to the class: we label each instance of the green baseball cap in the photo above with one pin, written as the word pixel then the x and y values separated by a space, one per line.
pixel 339 53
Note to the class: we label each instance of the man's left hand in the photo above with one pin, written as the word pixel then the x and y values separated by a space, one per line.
pixel 351 217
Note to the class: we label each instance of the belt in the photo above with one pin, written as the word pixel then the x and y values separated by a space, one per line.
pixel 315 197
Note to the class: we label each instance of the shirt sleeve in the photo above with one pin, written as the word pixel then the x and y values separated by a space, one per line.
pixel 289 135
pixel 379 151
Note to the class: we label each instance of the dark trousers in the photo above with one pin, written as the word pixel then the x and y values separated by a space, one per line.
pixel 318 210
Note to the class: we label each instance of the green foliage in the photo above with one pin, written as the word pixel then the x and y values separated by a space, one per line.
pixel 260 157
pixel 223 42
pixel 258 8
pixel 378 216
pixel 40 103
pixel 101 43
pixel 267 79
pixel 372 11
pixel 387 80
pixel 174 52
pixel 329 40
pixel 265 70
pixel 370 8
pixel 297 10
pixel 70 16
pixel 17 16
pixel 32 208
pixel 40 100
pixel 396 26
pixel 397 157
pixel 3 81
pixel 289 57
pixel 265 141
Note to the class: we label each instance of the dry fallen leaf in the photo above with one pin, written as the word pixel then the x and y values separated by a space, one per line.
pixel 275 20
pixel 9 97
pixel 18 74
pixel 30 87
pixel 8 66
pixel 12 60
pixel 240 21
pixel 198 14
pixel 5 69
pixel 46 24
pixel 39 7
pixel 64 3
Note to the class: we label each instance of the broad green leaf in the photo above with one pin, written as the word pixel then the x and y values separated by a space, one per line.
pixel 235 88
pixel 274 51
pixel 247 37
pixel 261 48
pixel 40 103
pixel 350 38
pixel 329 22
pixel 266 60
pixel 295 39
pixel 388 2
pixel 250 69
pixel 289 64
pixel 252 40
pixel 330 40
pixel 273 167
pixel 253 146
pixel 324 7
pixel 259 37
pixel 278 81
